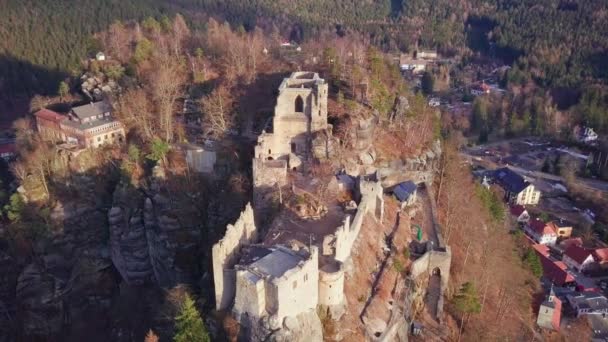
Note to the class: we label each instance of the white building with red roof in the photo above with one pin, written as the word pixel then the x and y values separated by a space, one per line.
pixel 541 232
pixel 578 258
pixel 520 213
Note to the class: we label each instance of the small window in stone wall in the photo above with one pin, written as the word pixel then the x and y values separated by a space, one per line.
pixel 306 277
pixel 295 284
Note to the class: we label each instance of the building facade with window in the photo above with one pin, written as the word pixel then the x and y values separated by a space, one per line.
pixel 301 110
pixel 89 126
pixel 518 191
pixel 300 113
pixel 277 281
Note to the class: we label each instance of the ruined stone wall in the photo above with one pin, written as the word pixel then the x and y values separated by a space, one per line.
pixel 252 295
pixel 298 289
pixel 371 202
pixel 225 254
pixel 301 110
pixel 432 260
pixel 269 173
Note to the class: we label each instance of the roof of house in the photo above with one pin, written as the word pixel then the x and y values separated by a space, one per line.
pixel 541 249
pixel 541 227
pixel 404 190
pixel 92 109
pixel 278 262
pixel 571 241
pixel 601 255
pixel 556 271
pixel 557 226
pixel 510 180
pixel 561 223
pixel 50 115
pixel 517 210
pixel 578 253
pixel 589 300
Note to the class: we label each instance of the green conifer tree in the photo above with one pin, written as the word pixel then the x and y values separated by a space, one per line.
pixel 189 325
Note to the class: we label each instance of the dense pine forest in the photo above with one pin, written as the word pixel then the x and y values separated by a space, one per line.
pixel 556 43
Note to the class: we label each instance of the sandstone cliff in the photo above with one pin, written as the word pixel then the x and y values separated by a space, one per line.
pixel 153 238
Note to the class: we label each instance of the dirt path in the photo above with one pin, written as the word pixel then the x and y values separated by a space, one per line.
pixel 433 292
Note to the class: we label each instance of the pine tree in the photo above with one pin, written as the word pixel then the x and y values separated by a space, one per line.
pixel 188 324
pixel 63 90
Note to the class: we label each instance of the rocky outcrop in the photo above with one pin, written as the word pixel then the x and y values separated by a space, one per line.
pixel 304 327
pixel 149 241
pixel 323 145
pixel 400 108
pixel 95 86
pixel 363 134
pixel 419 169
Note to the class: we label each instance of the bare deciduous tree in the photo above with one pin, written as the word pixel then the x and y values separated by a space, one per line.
pixel 217 108
pixel 166 82
pixel 135 112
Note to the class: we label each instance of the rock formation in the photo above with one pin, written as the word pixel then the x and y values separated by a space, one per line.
pixel 147 239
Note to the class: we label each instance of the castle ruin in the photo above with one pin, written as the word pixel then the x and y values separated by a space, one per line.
pixel 300 113
pixel 273 281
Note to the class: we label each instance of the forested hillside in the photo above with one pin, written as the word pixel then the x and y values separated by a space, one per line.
pixel 42 41
pixel 556 43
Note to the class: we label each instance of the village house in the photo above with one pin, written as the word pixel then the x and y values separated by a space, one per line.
pixel 520 213
pixel 562 228
pixel 550 312
pixel 48 124
pixel 426 54
pixel 90 125
pixel 517 189
pixel 578 258
pixel 541 232
pixel 570 242
pixel 588 303
pixel 414 65
pixel 554 271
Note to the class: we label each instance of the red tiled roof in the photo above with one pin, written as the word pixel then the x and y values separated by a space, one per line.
pixel 571 242
pixel 601 255
pixel 50 115
pixel 517 210
pixel 541 227
pixel 541 249
pixel 556 271
pixel 557 313
pixel 578 253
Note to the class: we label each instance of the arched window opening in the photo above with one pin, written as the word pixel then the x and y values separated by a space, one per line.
pixel 299 104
